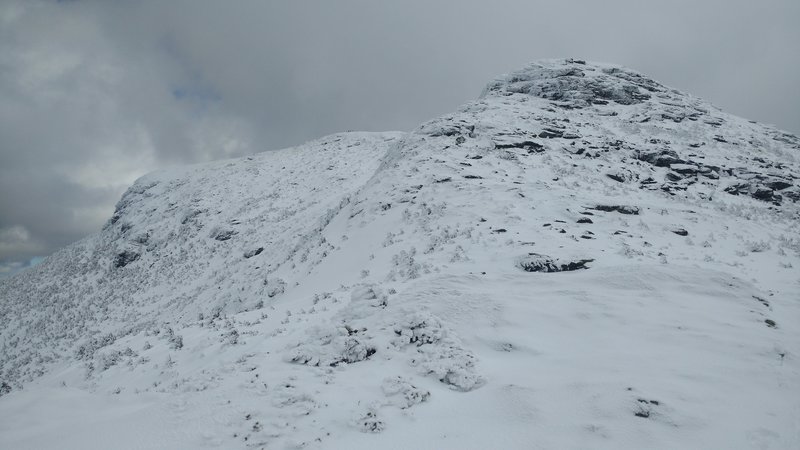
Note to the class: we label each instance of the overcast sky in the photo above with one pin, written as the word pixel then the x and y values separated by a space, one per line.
pixel 94 94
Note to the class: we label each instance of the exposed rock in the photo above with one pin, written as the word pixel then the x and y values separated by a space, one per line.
pixel 223 235
pixel 124 258
pixel 622 209
pixel 255 252
pixel 672 176
pixel 664 158
pixel 617 176
pixel 756 191
pixel 685 169
pixel 779 185
pixel 575 86
pixel 530 146
pixel 764 194
pixel 534 262
pixel 550 133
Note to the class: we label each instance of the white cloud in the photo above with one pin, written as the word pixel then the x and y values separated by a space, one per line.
pixel 17 239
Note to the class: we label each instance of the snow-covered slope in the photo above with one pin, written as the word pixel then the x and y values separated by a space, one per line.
pixel 581 258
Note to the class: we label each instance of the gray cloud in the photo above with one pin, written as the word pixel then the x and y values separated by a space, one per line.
pixel 96 93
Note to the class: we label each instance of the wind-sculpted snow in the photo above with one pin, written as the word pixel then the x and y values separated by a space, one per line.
pixel 580 258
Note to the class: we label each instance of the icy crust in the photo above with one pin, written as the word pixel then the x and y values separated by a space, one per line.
pixel 581 258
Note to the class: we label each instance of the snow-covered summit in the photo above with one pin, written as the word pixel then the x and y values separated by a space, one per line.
pixel 578 83
pixel 581 257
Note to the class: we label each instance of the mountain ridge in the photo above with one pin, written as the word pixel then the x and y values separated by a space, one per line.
pixel 414 260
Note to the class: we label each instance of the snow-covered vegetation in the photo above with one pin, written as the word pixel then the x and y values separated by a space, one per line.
pixel 581 258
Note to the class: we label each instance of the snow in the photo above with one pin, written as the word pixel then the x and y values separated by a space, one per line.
pixel 388 290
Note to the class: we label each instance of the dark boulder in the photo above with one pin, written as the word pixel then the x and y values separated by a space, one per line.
pixel 737 189
pixel 664 158
pixel 779 185
pixel 764 194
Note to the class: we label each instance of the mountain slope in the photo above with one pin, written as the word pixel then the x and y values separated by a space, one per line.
pixel 582 257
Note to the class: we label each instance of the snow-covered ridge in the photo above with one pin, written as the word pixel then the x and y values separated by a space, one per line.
pixel 581 257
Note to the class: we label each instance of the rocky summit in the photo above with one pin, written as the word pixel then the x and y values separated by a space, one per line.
pixel 580 258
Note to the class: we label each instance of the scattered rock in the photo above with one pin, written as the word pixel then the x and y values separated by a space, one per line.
pixel 664 158
pixel 534 262
pixel 255 252
pixel 585 220
pixel 645 407
pixel 685 169
pixel 680 232
pixel 761 300
pixel 550 133
pixel 371 424
pixel 622 209
pixel 779 185
pixel 616 177
pixel 763 194
pixel 529 146
pixel 755 190
pixel 672 176
pixel 223 235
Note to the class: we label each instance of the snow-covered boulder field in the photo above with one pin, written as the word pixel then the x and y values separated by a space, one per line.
pixel 580 258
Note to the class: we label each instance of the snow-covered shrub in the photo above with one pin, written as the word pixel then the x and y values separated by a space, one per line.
pixel 757 246
pixel 331 348
pixel 87 350
pixel 437 352
pixel 403 393
pixel 276 287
